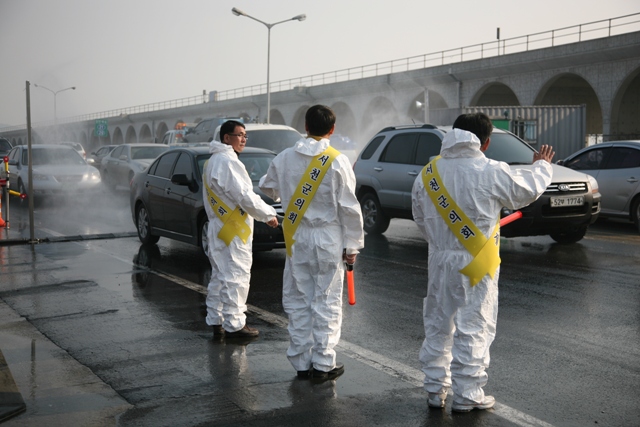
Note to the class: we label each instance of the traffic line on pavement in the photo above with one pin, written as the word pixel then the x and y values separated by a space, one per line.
pixel 377 361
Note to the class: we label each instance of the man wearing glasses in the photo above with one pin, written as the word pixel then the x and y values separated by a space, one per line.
pixel 231 206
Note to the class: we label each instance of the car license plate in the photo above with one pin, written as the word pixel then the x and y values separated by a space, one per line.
pixel 559 202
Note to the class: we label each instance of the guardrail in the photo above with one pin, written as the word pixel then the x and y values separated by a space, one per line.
pixel 577 33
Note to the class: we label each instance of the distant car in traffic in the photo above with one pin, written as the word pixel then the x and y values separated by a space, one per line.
pixel 56 170
pixel 120 165
pixel 76 146
pixel 204 131
pixel 268 136
pixel 166 199
pixel 616 166
pixel 95 157
pixel 173 137
pixel 5 147
pixel 388 166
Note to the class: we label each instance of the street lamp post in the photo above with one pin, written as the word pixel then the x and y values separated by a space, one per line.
pixel 300 17
pixel 55 105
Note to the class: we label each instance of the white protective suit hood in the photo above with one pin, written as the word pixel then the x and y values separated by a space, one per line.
pixel 311 146
pixel 460 143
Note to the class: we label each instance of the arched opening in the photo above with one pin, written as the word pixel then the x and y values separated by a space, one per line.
pixel 298 119
pixel 145 134
pixel 571 89
pixel 117 136
pixel 625 110
pixel 416 110
pixel 160 131
pixel 130 137
pixel 346 124
pixel 277 118
pixel 379 113
pixel 493 95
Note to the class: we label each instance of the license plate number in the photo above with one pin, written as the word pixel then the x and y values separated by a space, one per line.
pixel 559 202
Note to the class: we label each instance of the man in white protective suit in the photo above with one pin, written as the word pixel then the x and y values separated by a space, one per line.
pixel 457 201
pixel 231 205
pixel 323 228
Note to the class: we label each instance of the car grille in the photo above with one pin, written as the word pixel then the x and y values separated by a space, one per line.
pixel 573 187
pixel 68 178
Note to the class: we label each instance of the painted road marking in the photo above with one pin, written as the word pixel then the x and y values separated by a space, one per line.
pixel 381 363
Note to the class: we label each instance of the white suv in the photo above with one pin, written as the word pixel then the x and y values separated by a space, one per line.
pixel 271 137
pixel 388 166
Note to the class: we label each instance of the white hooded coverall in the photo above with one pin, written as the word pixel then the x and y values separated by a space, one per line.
pixel 230 265
pixel 313 275
pixel 460 320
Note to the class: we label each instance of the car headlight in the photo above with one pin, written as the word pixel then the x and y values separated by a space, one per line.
pixel 92 176
pixel 594 184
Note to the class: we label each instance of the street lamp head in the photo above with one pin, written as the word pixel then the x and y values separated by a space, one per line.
pixel 237 12
pixel 300 17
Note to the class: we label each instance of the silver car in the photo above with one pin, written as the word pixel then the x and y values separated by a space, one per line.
pixel 616 166
pixel 126 160
pixel 56 169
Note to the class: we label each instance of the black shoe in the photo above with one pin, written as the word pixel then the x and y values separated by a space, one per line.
pixel 304 375
pixel 334 373
pixel 245 332
pixel 218 330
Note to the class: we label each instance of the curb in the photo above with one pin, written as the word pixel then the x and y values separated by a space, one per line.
pixel 56 239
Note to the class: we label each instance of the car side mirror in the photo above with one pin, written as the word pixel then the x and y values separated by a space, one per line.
pixel 560 162
pixel 123 157
pixel 90 161
pixel 180 179
pixel 13 162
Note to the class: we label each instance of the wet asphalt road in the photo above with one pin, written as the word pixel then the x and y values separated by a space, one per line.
pixel 567 350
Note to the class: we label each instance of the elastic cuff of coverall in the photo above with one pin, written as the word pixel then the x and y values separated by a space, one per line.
pixel 350 251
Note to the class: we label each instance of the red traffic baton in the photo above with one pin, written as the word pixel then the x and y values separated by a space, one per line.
pixel 510 218
pixel 350 285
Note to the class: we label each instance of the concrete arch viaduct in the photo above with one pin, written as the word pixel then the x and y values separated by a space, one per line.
pixel 602 73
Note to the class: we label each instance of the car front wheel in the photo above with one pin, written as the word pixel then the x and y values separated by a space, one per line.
pixel 143 224
pixel 570 236
pixel 204 237
pixel 375 221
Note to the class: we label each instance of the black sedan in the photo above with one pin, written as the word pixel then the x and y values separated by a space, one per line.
pixel 166 199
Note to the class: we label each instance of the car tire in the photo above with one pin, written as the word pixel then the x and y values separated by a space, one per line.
pixel 143 226
pixel 635 213
pixel 22 190
pixel 569 237
pixel 375 221
pixel 203 239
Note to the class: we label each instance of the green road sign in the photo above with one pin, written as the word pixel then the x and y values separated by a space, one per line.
pixel 101 128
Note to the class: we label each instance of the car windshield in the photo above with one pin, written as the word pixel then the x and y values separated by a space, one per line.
pixel 272 139
pixel 54 156
pixel 4 145
pixel 256 164
pixel 147 152
pixel 507 148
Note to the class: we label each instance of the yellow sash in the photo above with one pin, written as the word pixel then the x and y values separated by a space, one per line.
pixel 485 251
pixel 307 186
pixel 233 221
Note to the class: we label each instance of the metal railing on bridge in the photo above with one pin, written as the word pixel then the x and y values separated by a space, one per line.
pixel 576 33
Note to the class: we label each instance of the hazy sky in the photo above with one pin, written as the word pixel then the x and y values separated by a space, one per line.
pixel 123 53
